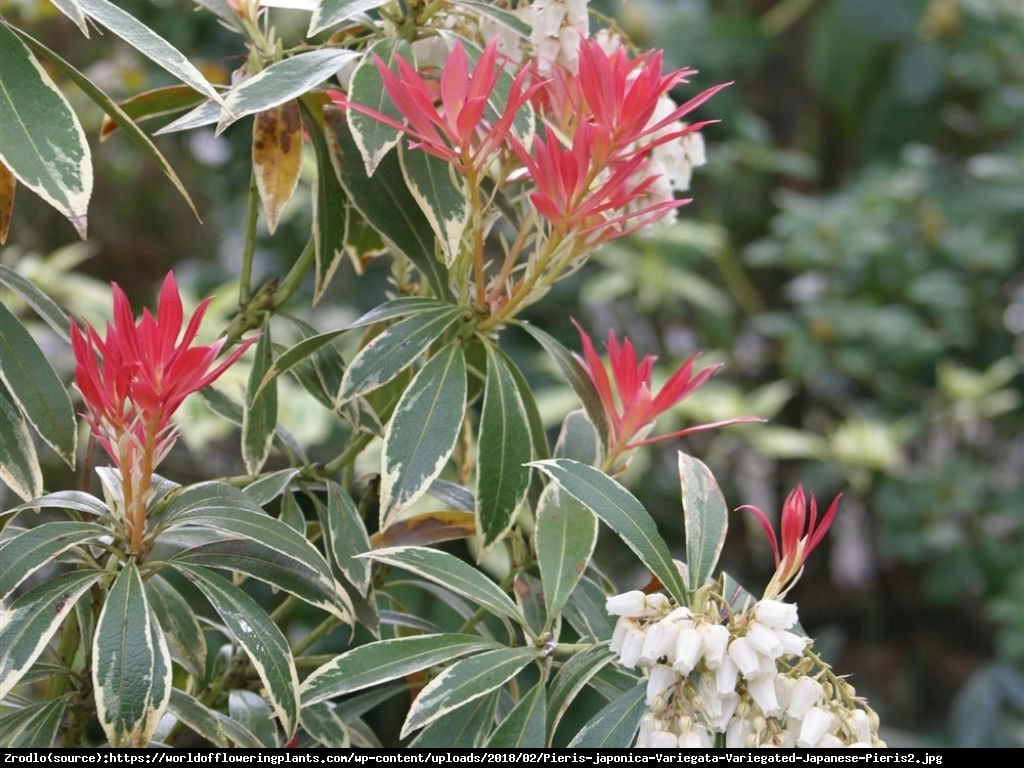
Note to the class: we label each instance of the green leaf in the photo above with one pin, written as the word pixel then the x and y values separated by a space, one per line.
pixel 423 430
pixel 296 354
pixel 44 306
pixel 465 681
pixel 503 451
pixel 42 142
pixel 35 726
pixel 331 12
pixel 442 199
pixel 77 501
pixel 213 726
pixel 325 725
pixel 252 711
pixel 73 11
pixel 385 202
pixel 262 641
pixel 19 463
pixel 158 102
pixel 384 660
pixel 623 513
pixel 321 373
pixel 525 724
pixel 329 206
pixel 576 375
pixel 516 23
pixel 108 105
pixel 178 621
pixel 451 573
pixel 577 440
pixel 345 537
pixel 35 387
pixel 564 541
pixel 391 309
pixel 24 554
pixel 206 113
pixel 573 678
pixel 263 491
pixel 148 43
pixel 282 81
pixel 392 350
pixel 131 666
pixel 366 87
pixel 465 727
pixel 615 726
pixel 292 513
pixel 260 415
pixel 705 518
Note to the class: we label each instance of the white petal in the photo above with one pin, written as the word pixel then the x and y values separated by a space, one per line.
pixel 663 740
pixel 661 679
pixel 792 643
pixel 631 648
pixel 725 676
pixel 807 692
pixel 660 642
pixel 762 691
pixel 764 640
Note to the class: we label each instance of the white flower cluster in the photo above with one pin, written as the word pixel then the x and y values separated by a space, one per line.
pixel 557 27
pixel 745 679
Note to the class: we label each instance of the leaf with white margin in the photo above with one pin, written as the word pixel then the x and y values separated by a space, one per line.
pixel 423 430
pixel 451 573
pixel 262 641
pixel 27 626
pixel 465 681
pixel 280 82
pixel 131 665
pixel 148 43
pixel 378 662
pixel 42 142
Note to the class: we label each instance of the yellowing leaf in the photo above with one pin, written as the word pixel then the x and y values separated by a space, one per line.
pixel 276 157
pixel 7 187
pixel 427 528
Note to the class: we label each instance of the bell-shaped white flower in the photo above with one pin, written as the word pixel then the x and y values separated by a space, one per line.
pixel 715 640
pixel 660 679
pixel 695 738
pixel 660 642
pixel 743 653
pixel 726 676
pixel 792 643
pixel 619 633
pixel 632 604
pixel 776 614
pixel 762 691
pixel 687 650
pixel 632 645
pixel 663 740
pixel 739 733
pixel 807 693
pixel 764 640
pixel 815 724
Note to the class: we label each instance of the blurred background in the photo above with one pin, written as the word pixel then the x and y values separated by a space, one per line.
pixel 853 255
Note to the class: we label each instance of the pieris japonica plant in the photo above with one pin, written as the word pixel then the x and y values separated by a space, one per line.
pixel 485 150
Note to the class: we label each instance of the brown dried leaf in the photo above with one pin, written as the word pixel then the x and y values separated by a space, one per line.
pixel 276 157
pixel 7 186
pixel 427 528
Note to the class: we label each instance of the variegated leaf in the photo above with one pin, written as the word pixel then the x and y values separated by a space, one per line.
pixel 366 87
pixel 385 660
pixel 262 641
pixel 8 186
pixel 19 463
pixel 27 626
pixel 423 430
pixel 328 13
pixel 131 665
pixel 564 540
pixel 24 554
pixel 42 142
pixel 218 729
pixel 440 195
pixel 465 681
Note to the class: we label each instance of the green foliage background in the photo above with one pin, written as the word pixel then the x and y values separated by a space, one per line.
pixel 854 254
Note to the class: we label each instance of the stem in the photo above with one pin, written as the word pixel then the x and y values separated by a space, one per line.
pixel 320 631
pixel 249 250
